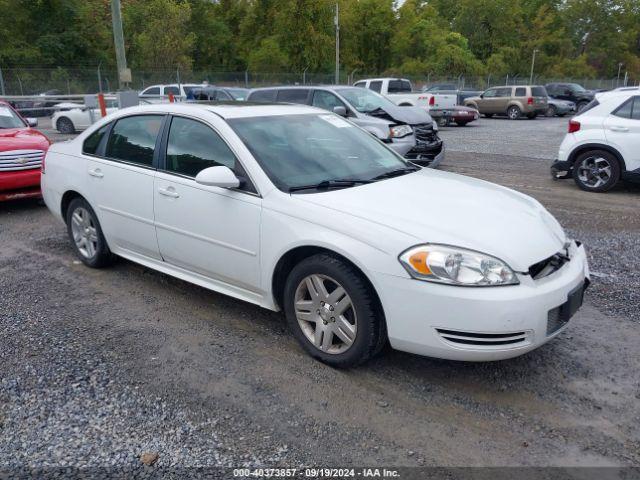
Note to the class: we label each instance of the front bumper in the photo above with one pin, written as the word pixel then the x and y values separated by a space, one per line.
pixel 20 184
pixel 421 316
pixel 428 153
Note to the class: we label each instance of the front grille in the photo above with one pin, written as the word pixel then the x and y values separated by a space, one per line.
pixel 483 340
pixel 424 133
pixel 14 160
pixel 548 266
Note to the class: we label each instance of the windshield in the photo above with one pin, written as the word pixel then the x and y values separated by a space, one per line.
pixel 238 93
pixel 9 118
pixel 364 100
pixel 297 150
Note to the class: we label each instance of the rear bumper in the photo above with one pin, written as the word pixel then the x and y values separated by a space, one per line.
pixel 20 184
pixel 560 169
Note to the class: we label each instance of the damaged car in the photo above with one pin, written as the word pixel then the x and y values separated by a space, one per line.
pixel 409 131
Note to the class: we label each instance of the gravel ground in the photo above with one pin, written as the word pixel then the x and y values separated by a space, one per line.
pixel 102 366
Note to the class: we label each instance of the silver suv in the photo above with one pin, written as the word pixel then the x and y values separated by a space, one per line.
pixel 409 131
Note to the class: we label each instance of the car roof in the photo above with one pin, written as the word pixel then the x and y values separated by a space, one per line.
pixel 226 110
pixel 303 87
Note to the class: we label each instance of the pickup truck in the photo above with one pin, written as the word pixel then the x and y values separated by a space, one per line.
pixel 400 91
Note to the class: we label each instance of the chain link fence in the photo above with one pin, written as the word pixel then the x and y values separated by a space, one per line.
pixel 87 80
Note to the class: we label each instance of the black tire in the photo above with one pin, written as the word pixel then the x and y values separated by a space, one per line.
pixel 64 125
pixel 370 336
pixel 585 159
pixel 102 256
pixel 443 122
pixel 580 106
pixel 461 124
pixel 551 111
pixel 514 112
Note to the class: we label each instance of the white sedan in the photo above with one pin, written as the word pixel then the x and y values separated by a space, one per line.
pixel 297 209
pixel 70 118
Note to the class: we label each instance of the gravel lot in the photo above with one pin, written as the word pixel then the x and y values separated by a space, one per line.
pixel 102 366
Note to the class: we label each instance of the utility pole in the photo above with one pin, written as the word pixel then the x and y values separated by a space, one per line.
pixel 2 83
pixel 619 68
pixel 533 62
pixel 337 24
pixel 124 74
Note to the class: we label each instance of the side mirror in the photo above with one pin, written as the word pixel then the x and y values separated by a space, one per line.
pixel 32 122
pixel 221 177
pixel 482 95
pixel 342 111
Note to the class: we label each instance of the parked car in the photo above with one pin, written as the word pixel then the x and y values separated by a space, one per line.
pixel 559 108
pixel 461 116
pixel 400 91
pixel 69 120
pixel 212 93
pixel 316 217
pixel 22 149
pixel 160 93
pixel 512 101
pixel 411 132
pixel 602 145
pixel 572 92
pixel 449 88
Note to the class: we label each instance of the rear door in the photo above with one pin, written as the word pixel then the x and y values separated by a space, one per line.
pixel 121 175
pixel 622 131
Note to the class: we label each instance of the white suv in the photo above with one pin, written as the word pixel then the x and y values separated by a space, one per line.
pixel 603 143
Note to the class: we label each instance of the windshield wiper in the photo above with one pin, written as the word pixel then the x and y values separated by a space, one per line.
pixel 394 173
pixel 327 184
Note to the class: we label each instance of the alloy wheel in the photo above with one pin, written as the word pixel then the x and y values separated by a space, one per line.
pixel 514 113
pixel 325 314
pixel 84 232
pixel 594 172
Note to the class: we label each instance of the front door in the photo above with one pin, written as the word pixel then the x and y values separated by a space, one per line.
pixel 122 184
pixel 210 231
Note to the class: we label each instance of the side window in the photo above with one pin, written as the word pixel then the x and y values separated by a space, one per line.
pixel 360 84
pixel 293 95
pixel 491 93
pixel 192 146
pixel 376 86
pixel 152 91
pixel 263 96
pixel 91 144
pixel 635 114
pixel 625 109
pixel 399 86
pixel 504 92
pixel 172 90
pixel 521 92
pixel 326 100
pixel 133 139
pixel 552 89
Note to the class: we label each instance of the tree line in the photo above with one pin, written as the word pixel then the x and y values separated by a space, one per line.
pixel 572 38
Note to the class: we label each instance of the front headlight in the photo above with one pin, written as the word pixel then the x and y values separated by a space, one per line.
pixel 456 266
pixel 400 131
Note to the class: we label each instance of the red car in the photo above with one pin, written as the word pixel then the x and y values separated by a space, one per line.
pixel 22 150
pixel 463 115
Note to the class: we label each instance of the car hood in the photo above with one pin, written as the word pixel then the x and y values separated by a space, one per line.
pixel 439 207
pixel 22 138
pixel 408 115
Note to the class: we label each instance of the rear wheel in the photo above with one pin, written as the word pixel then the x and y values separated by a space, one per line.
pixel 332 311
pixel 580 106
pixel 514 112
pixel 551 111
pixel 596 171
pixel 86 235
pixel 64 125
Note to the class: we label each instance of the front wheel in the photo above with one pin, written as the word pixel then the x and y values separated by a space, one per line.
pixel 580 106
pixel 333 312
pixel 85 234
pixel 596 171
pixel 64 125
pixel 514 112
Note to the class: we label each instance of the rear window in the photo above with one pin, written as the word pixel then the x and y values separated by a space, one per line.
pixel 91 144
pixel 399 86
pixel 294 95
pixel 263 96
pixel 133 139
pixel 538 91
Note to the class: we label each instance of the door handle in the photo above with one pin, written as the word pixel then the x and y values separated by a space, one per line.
pixel 96 172
pixel 617 128
pixel 168 192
